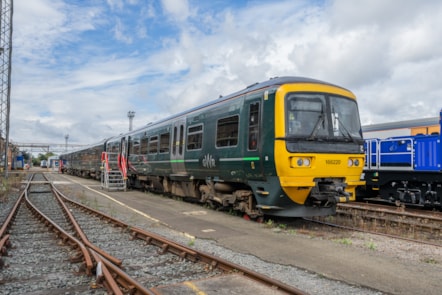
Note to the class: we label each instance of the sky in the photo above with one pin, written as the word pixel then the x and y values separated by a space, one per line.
pixel 79 67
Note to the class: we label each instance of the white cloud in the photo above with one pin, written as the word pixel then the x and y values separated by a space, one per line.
pixel 177 9
pixel 77 67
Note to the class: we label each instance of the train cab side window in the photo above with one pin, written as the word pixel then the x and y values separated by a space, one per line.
pixel 227 131
pixel 153 145
pixel 143 147
pixel 253 126
pixel 164 142
pixel 195 137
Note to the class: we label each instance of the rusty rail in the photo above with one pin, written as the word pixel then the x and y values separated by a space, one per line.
pixel 81 234
pixel 62 234
pixel 394 222
pixel 188 253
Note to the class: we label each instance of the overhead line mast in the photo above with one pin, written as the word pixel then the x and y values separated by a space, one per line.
pixel 6 11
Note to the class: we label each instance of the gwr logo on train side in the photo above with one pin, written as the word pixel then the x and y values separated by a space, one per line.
pixel 332 162
pixel 208 161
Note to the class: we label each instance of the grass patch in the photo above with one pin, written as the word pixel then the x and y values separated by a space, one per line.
pixel 430 260
pixel 371 245
pixel 344 241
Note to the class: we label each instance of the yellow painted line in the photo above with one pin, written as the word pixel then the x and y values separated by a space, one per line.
pixel 118 202
pixel 209 230
pixel 194 288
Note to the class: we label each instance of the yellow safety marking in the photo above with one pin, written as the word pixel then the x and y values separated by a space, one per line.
pixel 194 288
pixel 118 202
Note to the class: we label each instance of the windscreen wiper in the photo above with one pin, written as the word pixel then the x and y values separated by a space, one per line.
pixel 346 131
pixel 315 130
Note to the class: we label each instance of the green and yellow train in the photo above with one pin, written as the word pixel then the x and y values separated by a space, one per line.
pixel 290 146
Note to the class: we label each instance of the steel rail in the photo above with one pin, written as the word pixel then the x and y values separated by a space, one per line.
pixel 346 209
pixel 428 222
pixel 370 232
pixel 123 279
pixel 103 276
pixel 110 265
pixel 4 241
pixel 191 254
pixel 62 234
pixel 13 212
pixel 80 232
pixel 436 216
pixel 109 282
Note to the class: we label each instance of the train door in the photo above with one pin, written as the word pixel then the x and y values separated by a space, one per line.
pixel 252 150
pixel 178 145
pixel 123 156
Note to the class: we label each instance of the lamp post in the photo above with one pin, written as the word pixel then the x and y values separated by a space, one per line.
pixel 66 137
pixel 130 115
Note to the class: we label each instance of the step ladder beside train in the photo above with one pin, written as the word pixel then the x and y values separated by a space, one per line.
pixel 112 176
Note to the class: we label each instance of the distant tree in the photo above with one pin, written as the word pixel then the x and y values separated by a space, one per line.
pixel 26 156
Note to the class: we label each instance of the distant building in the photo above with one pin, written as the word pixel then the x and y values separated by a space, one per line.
pixel 401 128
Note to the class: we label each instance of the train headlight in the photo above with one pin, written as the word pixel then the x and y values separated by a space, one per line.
pixel 353 162
pixel 301 162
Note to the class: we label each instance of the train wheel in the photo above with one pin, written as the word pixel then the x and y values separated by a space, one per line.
pixel 260 219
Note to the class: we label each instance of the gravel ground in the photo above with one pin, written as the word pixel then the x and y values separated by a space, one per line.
pixel 314 283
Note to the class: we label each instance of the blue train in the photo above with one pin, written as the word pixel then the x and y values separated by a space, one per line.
pixel 404 170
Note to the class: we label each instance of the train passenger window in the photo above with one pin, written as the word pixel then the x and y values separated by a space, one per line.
pixel 143 145
pixel 153 145
pixel 181 139
pixel 227 131
pixel 175 133
pixel 164 142
pixel 135 145
pixel 253 127
pixel 195 137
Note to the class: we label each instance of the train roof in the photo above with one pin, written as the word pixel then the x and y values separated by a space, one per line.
pixel 251 88
pixel 401 124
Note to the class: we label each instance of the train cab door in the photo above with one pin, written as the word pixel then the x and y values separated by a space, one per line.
pixel 178 146
pixel 253 139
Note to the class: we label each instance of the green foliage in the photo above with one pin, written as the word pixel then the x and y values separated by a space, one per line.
pixel 282 226
pixel 269 223
pixel 430 260
pixel 344 241
pixel 371 245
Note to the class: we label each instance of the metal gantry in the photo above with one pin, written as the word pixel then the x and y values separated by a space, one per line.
pixel 6 12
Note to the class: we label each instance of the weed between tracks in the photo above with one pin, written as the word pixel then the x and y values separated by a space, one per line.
pixel 10 184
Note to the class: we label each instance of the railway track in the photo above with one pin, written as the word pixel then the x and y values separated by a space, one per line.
pixel 34 258
pixel 416 225
pixel 85 250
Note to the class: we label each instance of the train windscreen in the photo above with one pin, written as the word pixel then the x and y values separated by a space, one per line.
pixel 319 117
